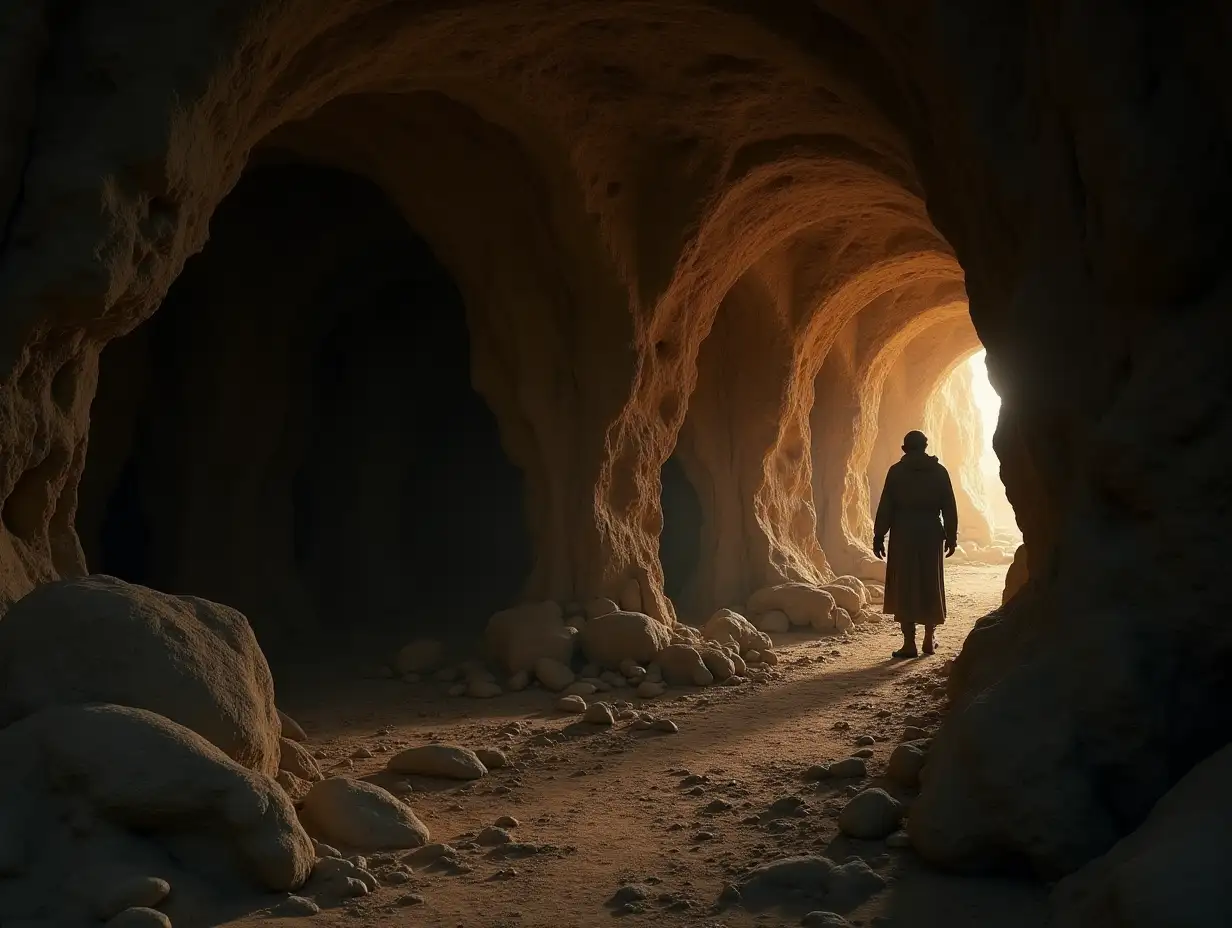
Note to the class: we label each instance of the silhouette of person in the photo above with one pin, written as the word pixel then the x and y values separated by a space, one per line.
pixel 917 508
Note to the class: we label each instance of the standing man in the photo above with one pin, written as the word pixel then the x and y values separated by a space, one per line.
pixel 917 508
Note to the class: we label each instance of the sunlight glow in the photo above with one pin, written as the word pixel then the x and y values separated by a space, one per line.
pixel 989 404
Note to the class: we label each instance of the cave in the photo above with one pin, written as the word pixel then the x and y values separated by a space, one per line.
pixel 680 537
pixel 294 432
pixel 373 319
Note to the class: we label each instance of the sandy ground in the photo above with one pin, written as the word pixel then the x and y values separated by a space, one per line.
pixel 614 807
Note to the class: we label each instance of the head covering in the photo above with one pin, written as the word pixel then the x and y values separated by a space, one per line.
pixel 915 441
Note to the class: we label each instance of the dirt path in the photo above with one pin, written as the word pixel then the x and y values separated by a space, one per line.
pixel 615 807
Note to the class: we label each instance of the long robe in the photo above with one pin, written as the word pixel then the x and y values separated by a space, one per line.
pixel 917 508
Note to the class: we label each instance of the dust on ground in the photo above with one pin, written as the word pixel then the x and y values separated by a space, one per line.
pixel 678 814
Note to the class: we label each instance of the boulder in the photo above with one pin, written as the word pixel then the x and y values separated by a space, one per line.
pixel 1172 870
pixel 774 622
pixel 142 775
pixel 841 619
pixel 447 761
pixel 600 606
pixel 516 638
pixel 683 666
pixel 99 639
pixel 728 626
pixel 361 815
pixel 422 655
pixel 611 639
pixel 906 762
pixel 295 759
pixel 870 815
pixel 553 674
pixel 720 663
pixel 289 728
pixel 845 597
pixel 803 603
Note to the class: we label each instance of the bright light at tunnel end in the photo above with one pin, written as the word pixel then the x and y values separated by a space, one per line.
pixel 989 405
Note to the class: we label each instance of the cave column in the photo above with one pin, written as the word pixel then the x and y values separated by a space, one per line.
pixel 732 425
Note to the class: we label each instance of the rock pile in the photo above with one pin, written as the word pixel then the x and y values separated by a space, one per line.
pixel 141 751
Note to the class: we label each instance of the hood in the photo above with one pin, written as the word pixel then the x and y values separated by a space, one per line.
pixel 919 460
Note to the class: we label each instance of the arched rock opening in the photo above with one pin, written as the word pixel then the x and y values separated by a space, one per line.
pixel 295 433
pixel 1075 161
pixel 680 541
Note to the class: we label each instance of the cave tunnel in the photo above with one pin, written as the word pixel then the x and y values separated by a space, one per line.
pixel 681 537
pixel 294 432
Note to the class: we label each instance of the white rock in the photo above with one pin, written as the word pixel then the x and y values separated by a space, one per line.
pixel 571 704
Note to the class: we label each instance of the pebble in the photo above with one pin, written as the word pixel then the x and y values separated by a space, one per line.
pixel 507 821
pixel 140 917
pixel 913 733
pixel 296 906
pixel 492 836
pixel 573 704
pixel 870 815
pixel 667 726
pixel 599 713
pixel 865 740
pixel 849 768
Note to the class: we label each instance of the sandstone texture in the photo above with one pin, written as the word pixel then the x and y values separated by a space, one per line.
pixel 755 238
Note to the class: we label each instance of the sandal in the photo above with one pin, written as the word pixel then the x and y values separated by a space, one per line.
pixel 903 653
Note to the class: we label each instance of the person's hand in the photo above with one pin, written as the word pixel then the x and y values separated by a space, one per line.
pixel 879 548
pixel 950 547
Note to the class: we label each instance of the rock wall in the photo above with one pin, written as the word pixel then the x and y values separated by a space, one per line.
pixel 598 179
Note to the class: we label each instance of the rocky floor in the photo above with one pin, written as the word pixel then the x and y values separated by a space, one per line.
pixel 652 826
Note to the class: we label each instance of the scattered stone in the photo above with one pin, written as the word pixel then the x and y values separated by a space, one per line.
pixel 774 622
pixel 613 679
pixel 631 893
pixel 770 658
pixel 683 666
pixel 599 713
pixel 420 656
pixel 809 880
pixel 518 681
pixel 865 740
pixel 295 907
pixel 361 753
pixel 870 815
pixel 507 821
pixel 906 762
pixel 409 899
pixel 619 636
pixel 517 638
pixel 134 893
pixel 898 839
pixel 140 917
pixel 914 733
pixel 290 728
pixel 667 726
pixel 492 836
pixel 850 768
pixel 726 626
pixel 845 598
pixel 321 849
pixel 580 688
pixel 483 689
pixel 295 788
pixel 554 675
pixel 427 855
pixel 817 772
pixel 720 664
pixel 492 758
pixel 361 814
pixel 863 753
pixel 447 761
pixel 649 689
pixel 571 704
pixel 803 603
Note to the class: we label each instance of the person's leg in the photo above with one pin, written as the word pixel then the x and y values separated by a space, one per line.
pixel 908 648
pixel 930 642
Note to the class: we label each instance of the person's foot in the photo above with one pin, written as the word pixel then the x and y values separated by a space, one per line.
pixel 903 653
pixel 930 647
